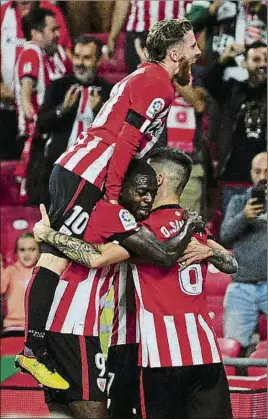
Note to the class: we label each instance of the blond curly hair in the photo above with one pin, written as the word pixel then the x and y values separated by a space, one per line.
pixel 164 34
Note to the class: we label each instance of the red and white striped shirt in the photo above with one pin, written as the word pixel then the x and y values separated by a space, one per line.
pixel 33 62
pixel 125 328
pixel 128 125
pixel 143 13
pixel 12 38
pixel 81 291
pixel 175 326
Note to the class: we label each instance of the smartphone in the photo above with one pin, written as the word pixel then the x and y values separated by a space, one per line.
pixel 259 193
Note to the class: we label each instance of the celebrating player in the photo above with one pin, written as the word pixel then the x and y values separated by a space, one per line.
pixel 129 124
pixel 75 308
pixel 174 166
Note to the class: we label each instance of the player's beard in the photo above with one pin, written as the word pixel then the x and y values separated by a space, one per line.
pixel 184 76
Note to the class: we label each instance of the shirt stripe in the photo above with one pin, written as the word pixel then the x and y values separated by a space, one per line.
pixel 174 346
pixel 193 338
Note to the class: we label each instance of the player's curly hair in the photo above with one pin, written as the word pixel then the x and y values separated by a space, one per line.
pixel 163 35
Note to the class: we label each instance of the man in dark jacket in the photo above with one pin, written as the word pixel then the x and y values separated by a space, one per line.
pixel 71 104
pixel 243 106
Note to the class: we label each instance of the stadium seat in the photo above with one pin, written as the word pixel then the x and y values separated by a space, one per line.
pixel 112 70
pixel 215 287
pixel 229 348
pixel 257 371
pixel 15 220
pixel 9 188
pixel 262 326
pixel 262 345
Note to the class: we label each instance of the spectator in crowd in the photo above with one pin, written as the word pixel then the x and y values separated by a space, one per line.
pixel 71 103
pixel 243 107
pixel 245 230
pixel 15 278
pixel 226 22
pixel 40 61
pixel 12 42
pixel 141 15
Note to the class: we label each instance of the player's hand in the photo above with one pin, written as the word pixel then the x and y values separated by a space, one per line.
pixel 71 97
pixel 215 7
pixel 42 227
pixel 94 100
pixel 252 209
pixel 195 253
pixel 141 52
pixel 195 221
pixel 232 51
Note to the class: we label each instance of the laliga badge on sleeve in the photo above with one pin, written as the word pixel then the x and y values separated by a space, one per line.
pixel 127 219
pixel 156 106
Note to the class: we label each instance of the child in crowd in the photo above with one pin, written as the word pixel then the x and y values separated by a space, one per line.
pixel 15 278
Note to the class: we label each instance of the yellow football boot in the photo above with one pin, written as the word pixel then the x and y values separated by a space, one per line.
pixel 40 372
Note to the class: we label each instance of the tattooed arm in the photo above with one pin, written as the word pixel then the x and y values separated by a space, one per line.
pixel 213 253
pixel 222 259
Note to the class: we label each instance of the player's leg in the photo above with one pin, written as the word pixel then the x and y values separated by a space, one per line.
pixel 161 398
pixel 57 405
pixel 72 200
pixel 208 394
pixel 80 361
pixel 123 381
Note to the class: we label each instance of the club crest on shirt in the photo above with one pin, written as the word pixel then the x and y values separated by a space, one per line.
pixel 127 219
pixel 156 106
pixel 101 382
pixel 27 68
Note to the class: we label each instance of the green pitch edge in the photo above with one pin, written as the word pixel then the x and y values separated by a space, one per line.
pixel 7 367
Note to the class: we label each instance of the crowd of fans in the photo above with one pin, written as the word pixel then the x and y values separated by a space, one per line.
pixel 51 91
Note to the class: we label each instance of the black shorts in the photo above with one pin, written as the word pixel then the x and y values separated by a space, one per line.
pixel 190 392
pixel 123 381
pixel 79 359
pixel 72 200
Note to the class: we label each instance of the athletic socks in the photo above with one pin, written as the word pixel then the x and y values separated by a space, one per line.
pixel 38 299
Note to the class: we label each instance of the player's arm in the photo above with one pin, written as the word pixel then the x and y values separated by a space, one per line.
pixel 221 258
pixel 138 120
pixel 212 252
pixel 28 69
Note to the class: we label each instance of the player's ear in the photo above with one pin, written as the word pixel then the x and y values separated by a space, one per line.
pixel 175 55
pixel 160 179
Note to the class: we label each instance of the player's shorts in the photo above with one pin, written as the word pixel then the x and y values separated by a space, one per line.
pixel 123 381
pixel 79 359
pixel 192 392
pixel 72 200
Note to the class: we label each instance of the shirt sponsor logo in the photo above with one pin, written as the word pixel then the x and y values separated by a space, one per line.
pixel 127 219
pixel 156 106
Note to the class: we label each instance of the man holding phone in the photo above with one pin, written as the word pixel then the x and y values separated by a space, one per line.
pixel 244 229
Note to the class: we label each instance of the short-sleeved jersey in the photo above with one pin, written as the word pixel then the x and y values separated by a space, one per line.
pixel 12 38
pixel 128 125
pixel 33 62
pixel 176 328
pixel 79 294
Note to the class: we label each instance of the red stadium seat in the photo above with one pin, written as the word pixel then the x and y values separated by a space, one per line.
pixel 9 188
pixel 257 371
pixel 262 345
pixel 229 348
pixel 215 287
pixel 263 326
pixel 14 222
